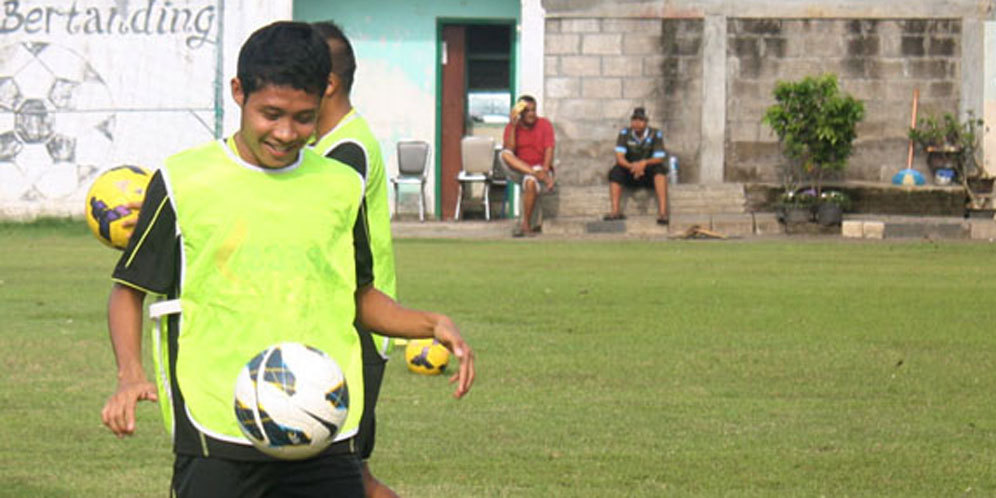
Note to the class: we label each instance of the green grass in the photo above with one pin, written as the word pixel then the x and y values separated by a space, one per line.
pixel 691 368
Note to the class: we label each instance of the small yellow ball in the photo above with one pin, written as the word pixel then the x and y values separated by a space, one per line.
pixel 107 203
pixel 426 356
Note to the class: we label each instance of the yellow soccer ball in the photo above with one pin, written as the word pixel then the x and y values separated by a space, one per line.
pixel 426 356
pixel 107 203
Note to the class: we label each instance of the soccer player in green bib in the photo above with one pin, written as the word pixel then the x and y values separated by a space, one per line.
pixel 344 135
pixel 251 241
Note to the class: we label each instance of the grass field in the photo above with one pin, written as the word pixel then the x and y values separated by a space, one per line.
pixel 692 368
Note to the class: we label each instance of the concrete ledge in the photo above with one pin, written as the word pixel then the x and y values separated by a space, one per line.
pixel 614 226
pixel 734 224
pixel 852 229
pixel 767 224
pixel 928 230
pixel 897 227
pixel 729 224
pixel 680 224
pixel 983 230
pixel 875 198
pixel 873 229
pixel 453 229
pixel 593 200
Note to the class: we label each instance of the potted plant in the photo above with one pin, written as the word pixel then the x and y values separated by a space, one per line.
pixel 816 125
pixel 952 147
pixel 796 206
pixel 831 207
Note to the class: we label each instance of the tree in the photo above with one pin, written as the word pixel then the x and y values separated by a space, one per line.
pixel 815 123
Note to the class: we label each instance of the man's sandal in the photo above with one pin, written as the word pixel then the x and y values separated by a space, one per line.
pixel 614 217
pixel 518 232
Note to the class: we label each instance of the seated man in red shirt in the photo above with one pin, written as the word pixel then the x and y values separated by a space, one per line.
pixel 528 155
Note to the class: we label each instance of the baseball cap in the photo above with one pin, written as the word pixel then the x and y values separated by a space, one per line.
pixel 639 113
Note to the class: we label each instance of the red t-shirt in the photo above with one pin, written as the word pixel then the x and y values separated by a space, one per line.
pixel 531 142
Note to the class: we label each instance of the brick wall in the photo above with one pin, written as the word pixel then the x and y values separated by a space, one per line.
pixel 877 61
pixel 598 70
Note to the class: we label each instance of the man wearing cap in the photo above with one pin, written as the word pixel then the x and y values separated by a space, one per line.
pixel 639 163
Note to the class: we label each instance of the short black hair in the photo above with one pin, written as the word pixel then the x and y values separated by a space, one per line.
pixel 528 98
pixel 284 53
pixel 343 57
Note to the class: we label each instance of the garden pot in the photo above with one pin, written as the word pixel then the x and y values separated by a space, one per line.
pixel 798 214
pixel 943 157
pixel 829 214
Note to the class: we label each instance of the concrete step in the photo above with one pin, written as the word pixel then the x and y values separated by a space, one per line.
pixel 589 201
pixel 734 225
pixel 644 226
pixel 905 227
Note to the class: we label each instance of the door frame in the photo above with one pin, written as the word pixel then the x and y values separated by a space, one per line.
pixel 514 25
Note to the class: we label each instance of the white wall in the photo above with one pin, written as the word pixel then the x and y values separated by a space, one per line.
pixel 242 17
pixel 989 98
pixel 91 84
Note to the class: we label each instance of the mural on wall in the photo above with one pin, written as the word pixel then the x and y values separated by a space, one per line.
pixel 56 122
pixel 87 85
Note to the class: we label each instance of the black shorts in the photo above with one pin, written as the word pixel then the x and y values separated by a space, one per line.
pixel 621 175
pixel 373 375
pixel 329 475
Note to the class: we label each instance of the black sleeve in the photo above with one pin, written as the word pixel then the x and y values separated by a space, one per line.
pixel 150 260
pixel 352 155
pixel 361 249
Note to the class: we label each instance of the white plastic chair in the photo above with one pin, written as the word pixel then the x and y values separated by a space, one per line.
pixel 477 155
pixel 413 165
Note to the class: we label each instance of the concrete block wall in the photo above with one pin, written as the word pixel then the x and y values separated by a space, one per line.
pixel 597 70
pixel 877 61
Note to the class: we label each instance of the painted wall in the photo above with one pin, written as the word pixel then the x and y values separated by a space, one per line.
pixel 396 47
pixel 86 85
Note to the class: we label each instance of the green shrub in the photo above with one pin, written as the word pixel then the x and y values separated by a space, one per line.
pixel 815 123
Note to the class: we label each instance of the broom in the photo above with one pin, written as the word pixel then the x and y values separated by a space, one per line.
pixel 909 172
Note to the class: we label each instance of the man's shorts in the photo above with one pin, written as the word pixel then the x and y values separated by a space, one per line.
pixel 328 475
pixel 621 175
pixel 520 178
pixel 373 376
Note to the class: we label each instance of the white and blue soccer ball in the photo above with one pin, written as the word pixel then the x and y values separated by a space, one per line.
pixel 291 400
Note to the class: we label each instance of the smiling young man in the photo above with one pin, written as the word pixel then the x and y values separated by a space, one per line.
pixel 254 240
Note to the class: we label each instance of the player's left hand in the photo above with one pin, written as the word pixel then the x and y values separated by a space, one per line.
pixel 446 332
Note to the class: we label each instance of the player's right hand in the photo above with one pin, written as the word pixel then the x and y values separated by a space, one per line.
pixel 119 411
pixel 446 333
pixel 129 223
